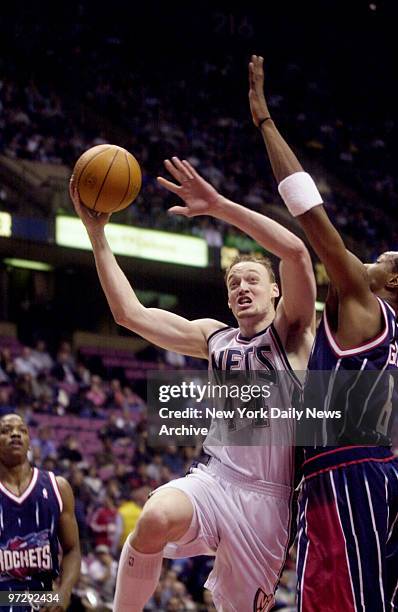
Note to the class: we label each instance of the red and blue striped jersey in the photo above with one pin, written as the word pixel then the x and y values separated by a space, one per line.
pixel 357 382
pixel 29 544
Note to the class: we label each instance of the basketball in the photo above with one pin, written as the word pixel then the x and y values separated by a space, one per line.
pixel 108 178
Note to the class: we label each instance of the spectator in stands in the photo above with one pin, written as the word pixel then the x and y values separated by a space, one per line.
pixel 105 456
pixel 44 442
pixel 158 600
pixel 173 460
pixel 6 403
pixel 96 394
pixel 116 427
pixel 63 370
pixel 25 363
pixel 83 375
pixel 139 477
pixel 114 486
pixel 82 503
pixel 43 388
pixel 24 388
pixel 3 376
pixel 104 523
pixel 51 465
pixel 69 450
pixel 130 509
pixel 211 234
pixel 103 571
pixel 116 397
pixel 7 363
pixel 41 358
pixel 154 469
pixel 66 349
pixel 133 405
pixel 93 482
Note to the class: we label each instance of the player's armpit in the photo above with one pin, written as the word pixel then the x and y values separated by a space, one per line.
pixel 354 323
pixel 172 332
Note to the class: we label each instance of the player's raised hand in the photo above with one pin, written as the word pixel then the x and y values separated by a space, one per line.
pixel 258 104
pixel 199 196
pixel 92 220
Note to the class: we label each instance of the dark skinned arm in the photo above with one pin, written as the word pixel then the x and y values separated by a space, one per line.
pixel 68 535
pixel 357 313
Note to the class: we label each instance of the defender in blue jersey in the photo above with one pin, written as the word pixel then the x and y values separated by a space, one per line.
pixel 37 522
pixel 348 516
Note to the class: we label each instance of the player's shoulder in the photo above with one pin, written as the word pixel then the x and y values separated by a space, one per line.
pixel 390 312
pixel 218 331
pixel 60 484
pixel 63 484
pixel 66 493
pixel 209 327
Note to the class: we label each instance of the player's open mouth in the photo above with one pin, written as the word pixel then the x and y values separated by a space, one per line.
pixel 244 301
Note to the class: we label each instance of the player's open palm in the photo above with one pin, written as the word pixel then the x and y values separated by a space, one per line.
pixel 199 196
pixel 92 220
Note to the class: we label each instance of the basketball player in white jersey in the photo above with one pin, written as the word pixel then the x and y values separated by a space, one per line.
pixel 237 507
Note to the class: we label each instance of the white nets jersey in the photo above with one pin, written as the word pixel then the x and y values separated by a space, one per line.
pixel 268 454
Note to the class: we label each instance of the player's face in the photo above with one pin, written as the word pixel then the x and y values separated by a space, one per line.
pixel 250 290
pixel 14 440
pixel 380 272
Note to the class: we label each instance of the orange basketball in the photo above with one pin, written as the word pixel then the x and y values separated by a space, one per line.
pixel 108 178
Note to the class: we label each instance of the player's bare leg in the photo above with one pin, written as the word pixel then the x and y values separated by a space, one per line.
pixel 166 517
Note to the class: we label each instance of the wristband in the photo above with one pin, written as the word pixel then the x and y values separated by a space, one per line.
pixel 260 123
pixel 299 193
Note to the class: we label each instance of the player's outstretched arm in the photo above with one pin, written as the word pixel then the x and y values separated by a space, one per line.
pixel 68 536
pixel 200 198
pixel 163 328
pixel 346 272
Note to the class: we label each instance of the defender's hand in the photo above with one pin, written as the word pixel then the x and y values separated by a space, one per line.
pixel 93 221
pixel 199 196
pixel 258 105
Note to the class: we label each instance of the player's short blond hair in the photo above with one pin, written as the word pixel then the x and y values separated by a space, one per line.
pixel 256 258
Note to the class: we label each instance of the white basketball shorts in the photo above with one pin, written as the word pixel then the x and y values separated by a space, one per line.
pixel 246 524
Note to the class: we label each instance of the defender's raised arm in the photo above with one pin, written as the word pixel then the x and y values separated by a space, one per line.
pixel 346 272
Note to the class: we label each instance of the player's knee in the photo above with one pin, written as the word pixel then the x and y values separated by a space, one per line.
pixel 152 529
pixel 162 520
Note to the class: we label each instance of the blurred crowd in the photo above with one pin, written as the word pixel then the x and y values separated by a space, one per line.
pixel 110 489
pixel 121 101
pixel 35 124
pixel 61 397
pixel 50 116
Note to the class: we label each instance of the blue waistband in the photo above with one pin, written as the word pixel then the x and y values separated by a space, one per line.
pixel 332 458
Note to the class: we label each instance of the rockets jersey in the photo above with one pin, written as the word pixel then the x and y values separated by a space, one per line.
pixel 29 544
pixel 269 454
pixel 358 382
